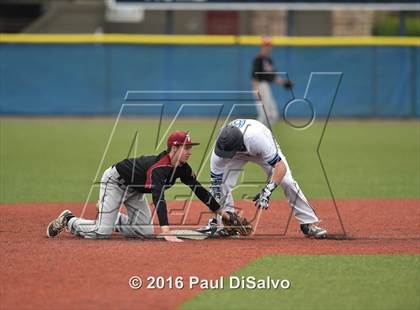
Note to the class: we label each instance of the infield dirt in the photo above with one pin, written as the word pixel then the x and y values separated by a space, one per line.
pixel 69 272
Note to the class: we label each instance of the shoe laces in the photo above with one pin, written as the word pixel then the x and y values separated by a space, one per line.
pixel 57 225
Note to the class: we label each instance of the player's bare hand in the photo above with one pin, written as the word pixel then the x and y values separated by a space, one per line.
pixel 166 233
pixel 173 239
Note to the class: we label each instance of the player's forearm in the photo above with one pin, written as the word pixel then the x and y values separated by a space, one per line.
pixel 161 211
pixel 262 199
pixel 205 197
pixel 279 172
pixel 286 83
pixel 279 80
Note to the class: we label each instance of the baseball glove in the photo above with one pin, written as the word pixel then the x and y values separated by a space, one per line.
pixel 287 84
pixel 237 224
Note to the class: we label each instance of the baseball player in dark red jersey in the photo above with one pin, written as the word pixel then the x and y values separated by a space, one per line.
pixel 262 77
pixel 127 182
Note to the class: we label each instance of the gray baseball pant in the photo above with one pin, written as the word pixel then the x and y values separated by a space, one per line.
pixel 137 223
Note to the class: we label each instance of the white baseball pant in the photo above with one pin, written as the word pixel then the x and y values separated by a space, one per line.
pixel 267 103
pixel 302 210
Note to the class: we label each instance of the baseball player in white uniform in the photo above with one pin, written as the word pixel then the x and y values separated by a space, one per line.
pixel 247 140
pixel 262 77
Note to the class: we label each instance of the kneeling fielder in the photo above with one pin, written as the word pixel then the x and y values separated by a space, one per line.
pixel 247 140
pixel 127 182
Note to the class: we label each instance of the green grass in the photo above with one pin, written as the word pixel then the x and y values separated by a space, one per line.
pixel 390 25
pixel 323 282
pixel 55 160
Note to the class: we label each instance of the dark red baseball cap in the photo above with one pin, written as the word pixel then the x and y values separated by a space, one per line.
pixel 180 138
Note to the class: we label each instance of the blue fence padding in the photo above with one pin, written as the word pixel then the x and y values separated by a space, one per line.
pixel 88 79
pixel 416 80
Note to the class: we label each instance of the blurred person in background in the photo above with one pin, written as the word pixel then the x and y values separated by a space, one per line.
pixel 263 74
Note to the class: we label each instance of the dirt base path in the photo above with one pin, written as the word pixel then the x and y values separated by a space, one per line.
pixel 68 272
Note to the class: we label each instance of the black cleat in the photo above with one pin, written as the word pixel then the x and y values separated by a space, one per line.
pixel 58 225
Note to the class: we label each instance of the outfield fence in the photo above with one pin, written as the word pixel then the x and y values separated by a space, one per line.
pixel 91 74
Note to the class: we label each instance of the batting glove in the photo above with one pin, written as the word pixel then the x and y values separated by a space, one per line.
pixel 216 187
pixel 262 199
pixel 216 192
